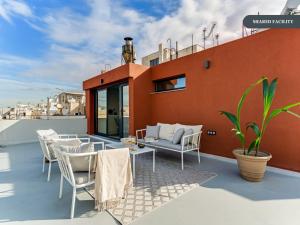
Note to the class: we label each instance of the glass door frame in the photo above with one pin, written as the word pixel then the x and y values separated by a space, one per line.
pixel 121 105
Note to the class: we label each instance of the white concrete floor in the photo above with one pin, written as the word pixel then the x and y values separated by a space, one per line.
pixel 26 197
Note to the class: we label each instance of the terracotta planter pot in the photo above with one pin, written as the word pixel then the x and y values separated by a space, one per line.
pixel 252 168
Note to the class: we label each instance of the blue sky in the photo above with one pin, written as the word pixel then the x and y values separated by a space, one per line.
pixel 50 44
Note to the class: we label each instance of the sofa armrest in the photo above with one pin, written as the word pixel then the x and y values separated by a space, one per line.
pixel 193 141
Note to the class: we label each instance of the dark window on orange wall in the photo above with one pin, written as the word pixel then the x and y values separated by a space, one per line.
pixel 169 84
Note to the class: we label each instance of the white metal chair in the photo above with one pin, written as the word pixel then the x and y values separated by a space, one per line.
pixel 48 153
pixel 76 179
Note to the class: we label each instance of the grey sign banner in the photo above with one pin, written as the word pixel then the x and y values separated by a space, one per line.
pixel 272 21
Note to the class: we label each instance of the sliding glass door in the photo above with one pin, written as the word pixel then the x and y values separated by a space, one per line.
pixel 101 112
pixel 112 105
pixel 125 110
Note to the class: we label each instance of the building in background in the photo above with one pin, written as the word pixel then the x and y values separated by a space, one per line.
pixel 62 104
pixel 70 104
pixel 167 54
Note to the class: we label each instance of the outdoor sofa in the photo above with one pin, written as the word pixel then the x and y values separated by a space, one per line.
pixel 172 137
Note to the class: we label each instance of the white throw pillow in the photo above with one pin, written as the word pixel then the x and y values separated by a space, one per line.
pixel 166 131
pixel 81 163
pixel 195 128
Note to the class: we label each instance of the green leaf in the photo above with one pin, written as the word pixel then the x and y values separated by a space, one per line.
pixel 265 90
pixel 271 92
pixel 230 116
pixel 254 127
pixel 246 92
pixel 251 147
pixel 235 122
pixel 268 99
pixel 286 108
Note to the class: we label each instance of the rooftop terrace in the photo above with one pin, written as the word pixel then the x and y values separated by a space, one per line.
pixel 27 197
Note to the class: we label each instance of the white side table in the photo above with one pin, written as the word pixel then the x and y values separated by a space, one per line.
pixel 134 153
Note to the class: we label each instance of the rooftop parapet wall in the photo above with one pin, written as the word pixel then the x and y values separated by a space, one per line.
pixel 24 131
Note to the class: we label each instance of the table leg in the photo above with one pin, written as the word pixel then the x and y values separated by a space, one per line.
pixel 133 162
pixel 153 161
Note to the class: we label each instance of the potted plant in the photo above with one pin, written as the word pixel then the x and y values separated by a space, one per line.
pixel 251 160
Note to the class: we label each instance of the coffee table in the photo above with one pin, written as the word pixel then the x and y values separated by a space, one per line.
pixel 133 153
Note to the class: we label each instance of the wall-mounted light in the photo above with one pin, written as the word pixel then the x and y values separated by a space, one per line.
pixel 206 64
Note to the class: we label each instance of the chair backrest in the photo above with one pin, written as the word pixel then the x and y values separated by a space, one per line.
pixel 50 133
pixel 44 147
pixel 65 165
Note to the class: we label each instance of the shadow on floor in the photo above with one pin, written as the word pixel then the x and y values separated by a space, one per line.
pixel 273 187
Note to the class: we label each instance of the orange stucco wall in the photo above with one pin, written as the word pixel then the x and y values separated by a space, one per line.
pixel 234 65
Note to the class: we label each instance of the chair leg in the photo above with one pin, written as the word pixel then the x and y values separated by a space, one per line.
pixel 44 160
pixel 73 203
pixel 199 156
pixel 49 171
pixel 182 161
pixel 61 186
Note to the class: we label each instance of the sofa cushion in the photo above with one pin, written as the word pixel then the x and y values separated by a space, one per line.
pixel 58 143
pixel 195 128
pixel 152 132
pixel 177 136
pixel 167 144
pixel 186 141
pixel 166 131
pixel 79 164
pixel 68 145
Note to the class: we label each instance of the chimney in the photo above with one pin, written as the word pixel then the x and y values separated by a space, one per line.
pixel 128 51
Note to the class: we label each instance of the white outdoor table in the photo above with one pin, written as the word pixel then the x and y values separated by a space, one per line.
pixel 133 153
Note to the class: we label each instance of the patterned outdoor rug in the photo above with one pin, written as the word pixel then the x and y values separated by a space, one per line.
pixel 152 190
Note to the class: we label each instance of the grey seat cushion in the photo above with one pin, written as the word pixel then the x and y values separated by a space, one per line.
pixel 167 144
pixel 83 177
pixel 161 143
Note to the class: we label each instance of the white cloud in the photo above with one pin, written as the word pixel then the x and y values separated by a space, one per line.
pixel 82 44
pixel 193 15
pixel 9 8
pixel 12 60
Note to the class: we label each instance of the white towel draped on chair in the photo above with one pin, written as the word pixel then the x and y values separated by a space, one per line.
pixel 113 177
